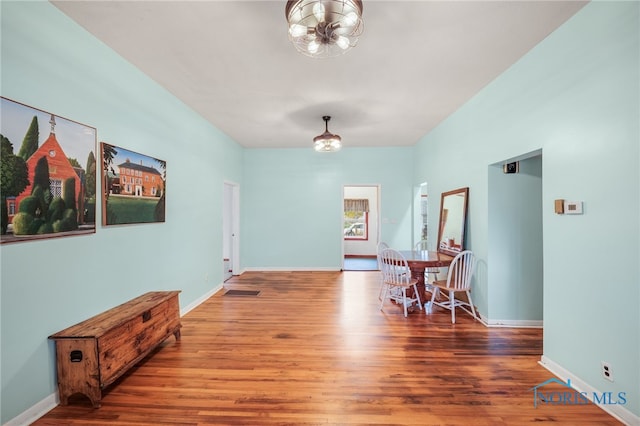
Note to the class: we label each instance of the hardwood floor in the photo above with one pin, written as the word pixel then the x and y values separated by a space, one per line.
pixel 313 348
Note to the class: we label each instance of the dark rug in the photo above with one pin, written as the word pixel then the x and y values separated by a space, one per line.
pixel 242 293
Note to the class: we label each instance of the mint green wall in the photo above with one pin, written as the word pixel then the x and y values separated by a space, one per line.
pixel 50 63
pixel 575 96
pixel 291 203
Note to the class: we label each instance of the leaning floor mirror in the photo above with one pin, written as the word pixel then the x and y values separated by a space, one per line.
pixel 453 217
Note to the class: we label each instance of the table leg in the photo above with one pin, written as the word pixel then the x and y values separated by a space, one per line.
pixel 418 274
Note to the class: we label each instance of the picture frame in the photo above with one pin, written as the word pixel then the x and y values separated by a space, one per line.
pixel 133 187
pixel 47 191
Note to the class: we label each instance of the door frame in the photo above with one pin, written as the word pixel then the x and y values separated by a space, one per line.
pixel 376 235
pixel 231 226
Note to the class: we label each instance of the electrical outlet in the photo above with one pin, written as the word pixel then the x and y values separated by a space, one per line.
pixel 607 373
pixel 206 277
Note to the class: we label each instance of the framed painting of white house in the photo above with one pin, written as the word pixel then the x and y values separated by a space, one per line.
pixel 134 186
pixel 47 174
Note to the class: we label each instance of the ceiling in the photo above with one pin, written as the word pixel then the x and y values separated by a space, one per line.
pixel 416 63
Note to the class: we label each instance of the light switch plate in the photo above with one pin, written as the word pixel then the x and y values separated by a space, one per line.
pixel 573 207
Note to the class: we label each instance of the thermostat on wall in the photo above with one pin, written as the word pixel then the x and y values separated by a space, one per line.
pixel 573 207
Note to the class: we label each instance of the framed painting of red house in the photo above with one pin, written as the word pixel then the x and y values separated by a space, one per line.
pixel 48 174
pixel 134 186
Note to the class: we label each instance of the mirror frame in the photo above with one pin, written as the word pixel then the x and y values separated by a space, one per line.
pixel 445 250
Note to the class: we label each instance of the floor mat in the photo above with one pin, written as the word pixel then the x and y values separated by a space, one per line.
pixel 242 293
pixel 360 264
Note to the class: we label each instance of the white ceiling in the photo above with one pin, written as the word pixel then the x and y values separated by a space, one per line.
pixel 231 62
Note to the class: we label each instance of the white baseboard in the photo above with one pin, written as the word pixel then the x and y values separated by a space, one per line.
pixel 511 323
pixel 617 411
pixel 200 300
pixel 35 412
pixel 290 269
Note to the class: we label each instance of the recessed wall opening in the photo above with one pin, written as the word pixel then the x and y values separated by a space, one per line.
pixel 515 242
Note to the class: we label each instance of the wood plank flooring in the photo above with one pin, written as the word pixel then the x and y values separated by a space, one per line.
pixel 313 348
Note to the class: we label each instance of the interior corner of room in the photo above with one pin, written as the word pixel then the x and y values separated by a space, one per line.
pixel 529 109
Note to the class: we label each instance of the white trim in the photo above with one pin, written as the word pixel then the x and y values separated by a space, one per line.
pixel 200 300
pixel 290 269
pixel 617 411
pixel 35 412
pixel 511 323
pixel 514 323
pixel 508 323
pixel 235 212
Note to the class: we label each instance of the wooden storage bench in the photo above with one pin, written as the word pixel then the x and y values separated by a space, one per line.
pixel 94 353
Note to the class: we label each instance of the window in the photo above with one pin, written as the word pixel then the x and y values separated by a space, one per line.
pixel 356 219
pixel 55 186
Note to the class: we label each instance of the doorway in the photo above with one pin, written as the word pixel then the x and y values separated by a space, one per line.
pixel 360 227
pixel 421 216
pixel 515 244
pixel 230 230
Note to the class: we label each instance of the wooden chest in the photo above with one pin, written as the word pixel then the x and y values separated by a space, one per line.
pixel 94 353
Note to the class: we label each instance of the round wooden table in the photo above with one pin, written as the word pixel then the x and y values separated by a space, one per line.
pixel 419 261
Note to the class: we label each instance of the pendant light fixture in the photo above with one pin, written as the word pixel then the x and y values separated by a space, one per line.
pixel 327 142
pixel 324 28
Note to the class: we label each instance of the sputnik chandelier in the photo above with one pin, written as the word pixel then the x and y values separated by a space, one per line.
pixel 324 28
pixel 327 142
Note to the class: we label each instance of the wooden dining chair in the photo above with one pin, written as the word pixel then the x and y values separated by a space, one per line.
pixel 396 279
pixel 458 280
pixel 381 246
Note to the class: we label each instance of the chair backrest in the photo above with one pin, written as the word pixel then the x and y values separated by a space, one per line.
pixel 461 270
pixel 394 267
pixel 421 245
pixel 381 246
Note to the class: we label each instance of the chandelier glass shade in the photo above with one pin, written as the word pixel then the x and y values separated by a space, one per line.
pixel 327 142
pixel 324 28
